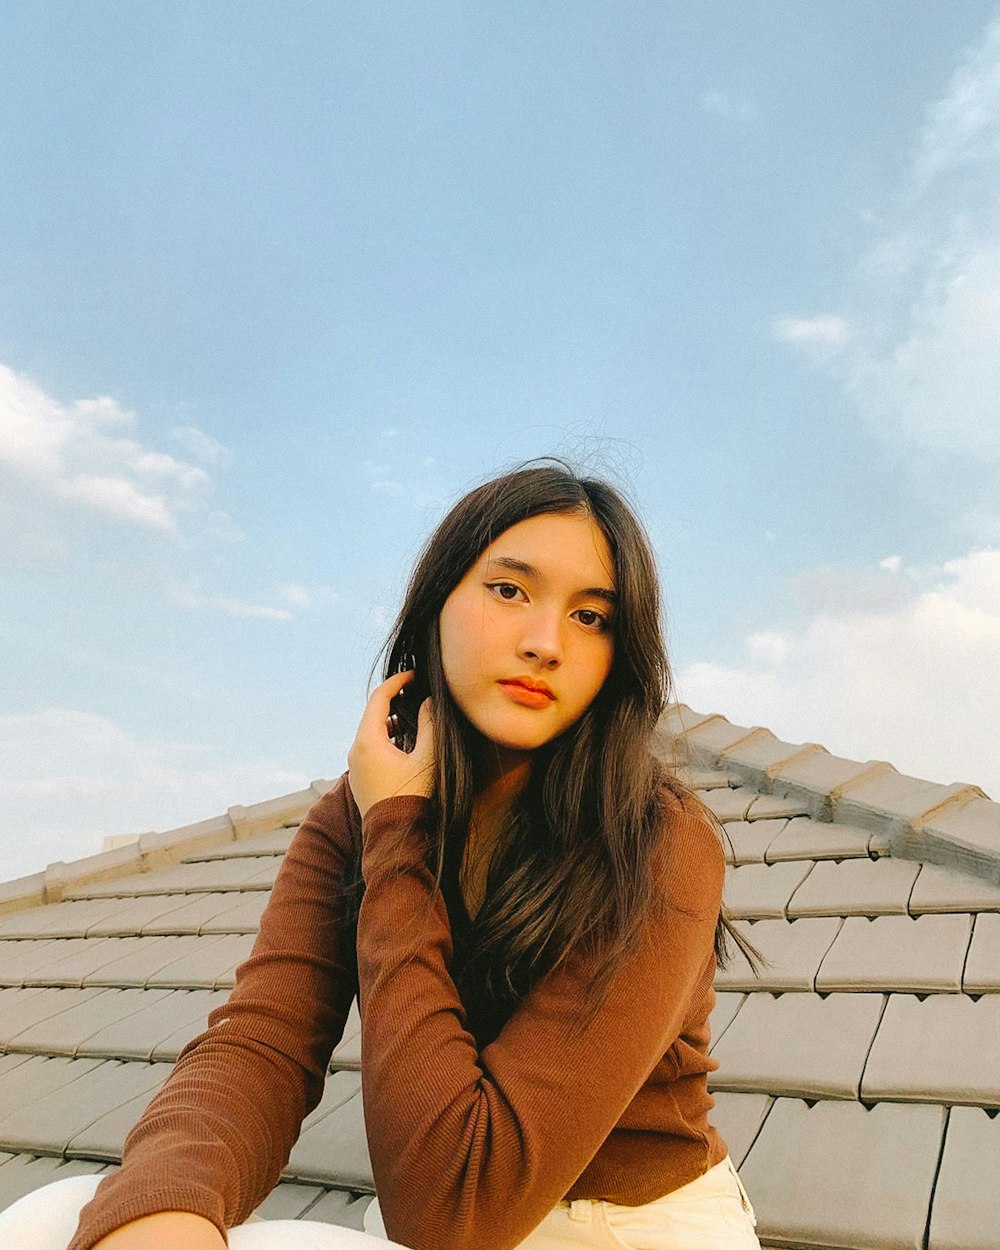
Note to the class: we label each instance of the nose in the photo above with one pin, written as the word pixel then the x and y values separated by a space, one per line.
pixel 541 641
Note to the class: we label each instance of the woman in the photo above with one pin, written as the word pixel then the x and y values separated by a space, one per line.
pixel 528 907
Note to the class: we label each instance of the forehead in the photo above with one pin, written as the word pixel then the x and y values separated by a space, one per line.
pixel 567 544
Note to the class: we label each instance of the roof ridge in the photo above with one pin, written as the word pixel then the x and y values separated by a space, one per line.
pixel 147 852
pixel 957 825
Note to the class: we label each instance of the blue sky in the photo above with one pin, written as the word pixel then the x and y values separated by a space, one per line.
pixel 278 283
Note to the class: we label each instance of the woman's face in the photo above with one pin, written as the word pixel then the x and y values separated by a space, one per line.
pixel 527 635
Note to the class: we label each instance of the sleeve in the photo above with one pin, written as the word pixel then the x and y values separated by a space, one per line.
pixel 471 1149
pixel 215 1137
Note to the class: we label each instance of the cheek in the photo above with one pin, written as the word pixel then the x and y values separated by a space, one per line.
pixel 462 629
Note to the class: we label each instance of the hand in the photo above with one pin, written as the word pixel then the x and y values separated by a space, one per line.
pixel 167 1230
pixel 377 768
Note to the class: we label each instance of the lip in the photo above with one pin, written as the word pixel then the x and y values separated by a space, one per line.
pixel 528 692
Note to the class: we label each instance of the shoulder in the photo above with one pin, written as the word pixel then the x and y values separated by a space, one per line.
pixel 334 815
pixel 688 858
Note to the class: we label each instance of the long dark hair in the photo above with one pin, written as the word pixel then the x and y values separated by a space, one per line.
pixel 569 869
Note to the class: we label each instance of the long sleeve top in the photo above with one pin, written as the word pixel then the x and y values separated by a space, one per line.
pixel 469 1148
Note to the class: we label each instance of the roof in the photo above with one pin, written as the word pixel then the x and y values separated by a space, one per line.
pixel 859 1077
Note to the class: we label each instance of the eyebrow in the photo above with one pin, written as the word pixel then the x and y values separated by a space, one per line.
pixel 529 570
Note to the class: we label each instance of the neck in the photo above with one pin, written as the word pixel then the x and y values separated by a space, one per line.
pixel 500 776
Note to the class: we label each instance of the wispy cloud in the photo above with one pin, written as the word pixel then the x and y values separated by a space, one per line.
pixel 922 363
pixel 80 454
pixel 227 604
pixel 201 445
pixel 723 104
pixel 884 655
pixel 70 777
pixel 827 329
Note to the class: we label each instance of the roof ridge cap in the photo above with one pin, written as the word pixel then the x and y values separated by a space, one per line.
pixel 149 852
pixel 956 825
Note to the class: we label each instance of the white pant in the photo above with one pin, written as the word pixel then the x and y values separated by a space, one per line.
pixel 711 1213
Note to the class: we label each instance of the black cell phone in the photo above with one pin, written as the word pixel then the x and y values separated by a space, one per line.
pixel 403 709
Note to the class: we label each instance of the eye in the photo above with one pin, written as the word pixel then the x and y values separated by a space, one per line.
pixel 593 619
pixel 505 590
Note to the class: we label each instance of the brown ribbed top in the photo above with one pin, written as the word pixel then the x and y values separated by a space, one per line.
pixel 470 1149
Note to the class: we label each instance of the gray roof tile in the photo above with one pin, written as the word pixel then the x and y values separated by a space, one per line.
pixel 289 1201
pixel 793 950
pixel 944 889
pixel 347 1053
pixel 798 1044
pixel 739 1117
pixel 186 1029
pixel 971 831
pixel 855 887
pixel 223 874
pixel 837 1174
pixel 925 955
pixel 276 842
pixel 805 838
pixel 58 919
pixel 770 806
pixel 723 1013
pixel 714 734
pixel 982 968
pixel 729 805
pixel 133 916
pixel 82 958
pixel 20 958
pixel 819 775
pixel 21 1009
pixel 944 1048
pixel 71 1016
pixel 23 1174
pixel 196 911
pixel 707 778
pixel 30 1081
pixel 8 1063
pixel 123 1029
pixel 342 1208
pixel 50 1121
pixel 241 915
pixel 104 1136
pixel 966 1211
pixel 763 753
pixel 892 796
pixel 210 965
pixel 747 840
pixel 333 1146
pixel 762 891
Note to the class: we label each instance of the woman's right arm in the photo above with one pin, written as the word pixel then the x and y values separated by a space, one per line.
pixel 214 1139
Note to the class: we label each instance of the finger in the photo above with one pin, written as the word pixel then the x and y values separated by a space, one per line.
pixel 377 709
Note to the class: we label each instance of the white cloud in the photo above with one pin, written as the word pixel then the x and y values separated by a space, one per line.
pixel 722 104
pixel 76 453
pixel 914 680
pixel 304 597
pixel 68 778
pixel 922 361
pixel 201 445
pixel 228 604
pixel 828 330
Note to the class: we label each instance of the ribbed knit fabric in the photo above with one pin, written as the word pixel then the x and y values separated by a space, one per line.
pixel 469 1149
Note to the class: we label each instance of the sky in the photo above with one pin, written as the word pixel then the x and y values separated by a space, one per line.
pixel 279 283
